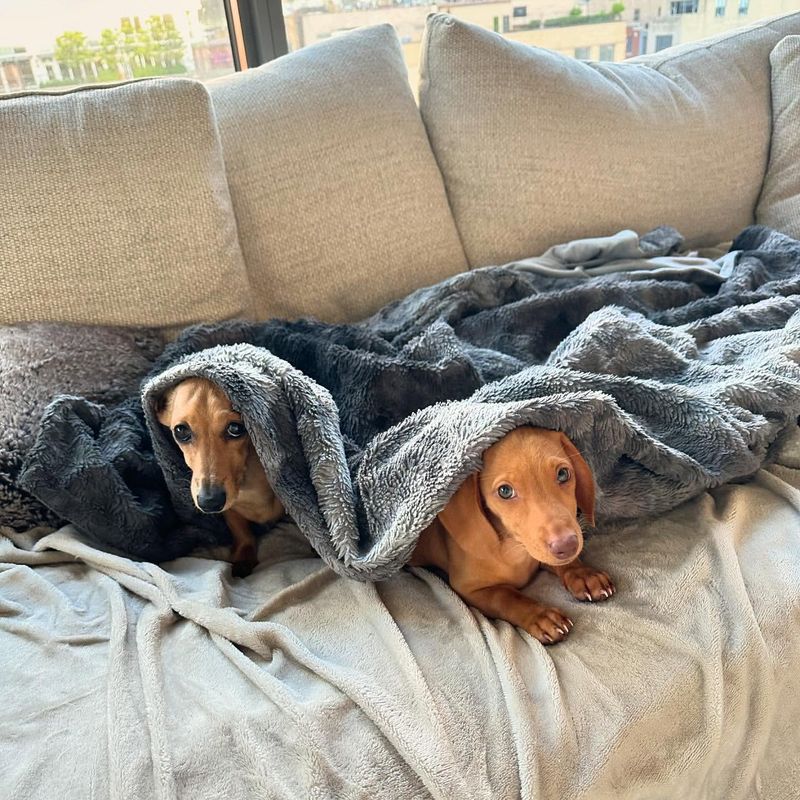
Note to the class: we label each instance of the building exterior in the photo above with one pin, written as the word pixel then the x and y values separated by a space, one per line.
pixel 19 70
pixel 681 21
pixel 518 20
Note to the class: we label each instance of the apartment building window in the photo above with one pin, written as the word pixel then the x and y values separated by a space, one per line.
pixel 744 7
pixel 506 23
pixel 663 42
pixel 637 14
pixel 520 11
pixel 684 7
pixel 719 8
pixel 583 53
pixel 606 52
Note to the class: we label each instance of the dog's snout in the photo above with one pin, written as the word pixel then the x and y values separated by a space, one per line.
pixel 564 546
pixel 211 499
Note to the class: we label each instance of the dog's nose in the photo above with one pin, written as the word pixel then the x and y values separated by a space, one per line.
pixel 564 546
pixel 211 499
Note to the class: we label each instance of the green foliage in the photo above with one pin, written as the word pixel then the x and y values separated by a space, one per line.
pixel 573 19
pixel 133 50
pixel 72 49
pixel 154 72
pixel 617 9
pixel 575 11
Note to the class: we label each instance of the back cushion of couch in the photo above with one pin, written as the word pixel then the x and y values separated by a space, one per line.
pixel 537 148
pixel 338 198
pixel 114 208
pixel 779 204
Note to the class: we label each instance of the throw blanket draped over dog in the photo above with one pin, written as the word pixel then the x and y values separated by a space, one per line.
pixel 669 384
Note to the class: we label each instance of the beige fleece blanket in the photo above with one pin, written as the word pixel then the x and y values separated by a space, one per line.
pixel 124 680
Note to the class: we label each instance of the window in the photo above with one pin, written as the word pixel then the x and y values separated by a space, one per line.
pixel 684 7
pixel 62 43
pixel 606 52
pixel 663 42
pixel 49 43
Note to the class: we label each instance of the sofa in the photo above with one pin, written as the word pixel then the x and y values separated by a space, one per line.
pixel 317 186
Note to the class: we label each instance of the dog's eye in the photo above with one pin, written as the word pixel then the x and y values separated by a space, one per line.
pixel 235 430
pixel 563 475
pixel 182 433
pixel 505 491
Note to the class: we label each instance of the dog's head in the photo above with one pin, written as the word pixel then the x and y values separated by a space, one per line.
pixel 530 489
pixel 212 438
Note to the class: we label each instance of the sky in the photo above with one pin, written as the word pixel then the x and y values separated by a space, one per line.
pixel 34 24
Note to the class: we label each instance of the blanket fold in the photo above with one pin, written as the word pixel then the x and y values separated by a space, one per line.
pixel 669 383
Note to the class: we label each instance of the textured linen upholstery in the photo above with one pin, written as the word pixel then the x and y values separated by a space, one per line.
pixel 340 205
pixel 779 205
pixel 114 208
pixel 538 148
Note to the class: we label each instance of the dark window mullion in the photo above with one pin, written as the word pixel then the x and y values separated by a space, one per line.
pixel 263 30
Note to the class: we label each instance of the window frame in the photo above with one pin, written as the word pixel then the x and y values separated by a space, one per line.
pixel 257 31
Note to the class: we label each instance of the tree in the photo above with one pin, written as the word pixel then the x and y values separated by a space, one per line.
pixel 109 48
pixel 617 9
pixel 575 11
pixel 72 51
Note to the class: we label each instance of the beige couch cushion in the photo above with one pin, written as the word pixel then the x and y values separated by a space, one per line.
pixel 114 208
pixel 537 148
pixel 779 205
pixel 339 201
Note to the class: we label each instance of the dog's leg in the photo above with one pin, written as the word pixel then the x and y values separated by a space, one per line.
pixel 243 551
pixel 547 624
pixel 584 582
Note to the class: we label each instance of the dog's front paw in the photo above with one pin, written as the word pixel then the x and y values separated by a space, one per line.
pixel 548 625
pixel 586 583
pixel 244 561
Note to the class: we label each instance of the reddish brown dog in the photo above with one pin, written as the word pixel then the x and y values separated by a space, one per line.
pixel 519 512
pixel 227 476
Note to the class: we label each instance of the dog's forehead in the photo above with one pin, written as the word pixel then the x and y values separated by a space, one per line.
pixel 523 448
pixel 198 397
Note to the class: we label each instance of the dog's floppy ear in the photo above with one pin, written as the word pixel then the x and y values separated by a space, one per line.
pixel 164 408
pixel 465 517
pixel 584 481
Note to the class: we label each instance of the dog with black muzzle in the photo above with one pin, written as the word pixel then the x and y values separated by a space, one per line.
pixel 227 476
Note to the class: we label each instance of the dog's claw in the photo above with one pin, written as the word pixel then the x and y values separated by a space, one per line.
pixel 588 596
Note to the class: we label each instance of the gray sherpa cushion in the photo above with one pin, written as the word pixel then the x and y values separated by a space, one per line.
pixel 39 361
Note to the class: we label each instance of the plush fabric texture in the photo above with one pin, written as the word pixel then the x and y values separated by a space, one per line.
pixel 40 361
pixel 668 387
pixel 779 205
pixel 538 148
pixel 115 208
pixel 296 683
pixel 340 204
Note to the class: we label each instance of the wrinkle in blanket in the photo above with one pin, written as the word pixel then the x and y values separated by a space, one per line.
pixel 667 386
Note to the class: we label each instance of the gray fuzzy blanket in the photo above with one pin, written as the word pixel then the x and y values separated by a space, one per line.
pixel 668 383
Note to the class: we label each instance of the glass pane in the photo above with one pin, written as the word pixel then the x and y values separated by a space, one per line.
pixel 600 30
pixel 49 44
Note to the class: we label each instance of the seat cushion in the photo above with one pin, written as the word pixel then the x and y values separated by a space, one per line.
pixel 686 684
pixel 538 148
pixel 340 204
pixel 114 208
pixel 779 205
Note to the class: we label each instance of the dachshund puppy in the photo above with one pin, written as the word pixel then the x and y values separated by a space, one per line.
pixel 519 512
pixel 227 476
